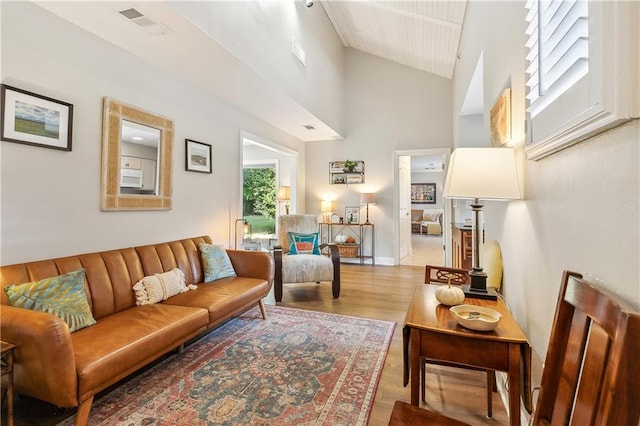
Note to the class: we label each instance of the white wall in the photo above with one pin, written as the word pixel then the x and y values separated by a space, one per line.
pixel 260 34
pixel 470 131
pixel 389 107
pixel 581 206
pixel 50 200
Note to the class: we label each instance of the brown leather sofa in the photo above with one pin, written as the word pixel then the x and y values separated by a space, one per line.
pixel 68 369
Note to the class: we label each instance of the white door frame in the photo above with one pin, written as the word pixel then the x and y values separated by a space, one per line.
pixel 446 229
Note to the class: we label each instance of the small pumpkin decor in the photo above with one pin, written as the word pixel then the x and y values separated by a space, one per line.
pixel 450 295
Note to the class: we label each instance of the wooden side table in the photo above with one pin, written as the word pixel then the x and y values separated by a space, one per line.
pixel 431 331
pixel 6 369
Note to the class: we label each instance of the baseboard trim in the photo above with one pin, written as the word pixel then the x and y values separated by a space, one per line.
pixel 502 379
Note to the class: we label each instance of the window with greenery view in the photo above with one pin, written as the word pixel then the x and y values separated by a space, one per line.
pixel 259 199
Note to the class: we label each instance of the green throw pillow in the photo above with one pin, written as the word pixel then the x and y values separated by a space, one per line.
pixel 62 296
pixel 215 262
pixel 303 243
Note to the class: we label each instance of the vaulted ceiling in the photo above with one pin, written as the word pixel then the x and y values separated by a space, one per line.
pixel 423 34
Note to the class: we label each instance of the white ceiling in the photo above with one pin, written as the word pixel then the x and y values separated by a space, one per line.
pixel 423 34
pixel 426 163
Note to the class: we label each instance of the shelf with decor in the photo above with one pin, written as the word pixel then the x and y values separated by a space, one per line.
pixel 354 240
pixel 346 172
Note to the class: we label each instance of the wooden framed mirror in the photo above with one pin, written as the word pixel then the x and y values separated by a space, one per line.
pixel 136 158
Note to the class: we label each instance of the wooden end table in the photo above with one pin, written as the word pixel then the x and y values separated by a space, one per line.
pixel 6 368
pixel 431 331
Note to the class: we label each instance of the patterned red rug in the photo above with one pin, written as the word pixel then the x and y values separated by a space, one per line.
pixel 296 368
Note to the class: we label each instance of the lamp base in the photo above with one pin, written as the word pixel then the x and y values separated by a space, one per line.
pixel 488 294
pixel 478 288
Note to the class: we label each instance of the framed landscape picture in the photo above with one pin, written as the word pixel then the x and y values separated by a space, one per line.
pixel 423 193
pixel 33 119
pixel 198 157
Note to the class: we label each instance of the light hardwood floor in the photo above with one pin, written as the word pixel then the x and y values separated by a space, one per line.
pixel 384 292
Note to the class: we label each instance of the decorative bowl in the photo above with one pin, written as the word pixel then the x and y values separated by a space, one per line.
pixel 476 318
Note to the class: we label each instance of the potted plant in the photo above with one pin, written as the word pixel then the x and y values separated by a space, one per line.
pixel 349 166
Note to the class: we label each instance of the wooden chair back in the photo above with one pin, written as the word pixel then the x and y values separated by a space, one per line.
pixel 442 274
pixel 592 369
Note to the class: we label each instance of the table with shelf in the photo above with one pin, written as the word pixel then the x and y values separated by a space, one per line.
pixel 6 369
pixel 363 233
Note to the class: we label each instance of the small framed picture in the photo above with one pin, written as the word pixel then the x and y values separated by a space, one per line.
pixel 198 156
pixel 423 193
pixel 33 119
pixel 352 215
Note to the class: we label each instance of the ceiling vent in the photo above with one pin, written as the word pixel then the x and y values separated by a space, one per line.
pixel 147 24
pixel 309 127
pixel 131 13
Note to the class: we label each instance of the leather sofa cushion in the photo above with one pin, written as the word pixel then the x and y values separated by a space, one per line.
pixel 222 297
pixel 122 342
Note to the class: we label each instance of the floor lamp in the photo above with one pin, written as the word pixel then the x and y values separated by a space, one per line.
pixel 481 174
pixel 246 229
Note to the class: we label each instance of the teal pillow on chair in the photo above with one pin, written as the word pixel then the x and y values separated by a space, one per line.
pixel 215 262
pixel 303 243
pixel 62 296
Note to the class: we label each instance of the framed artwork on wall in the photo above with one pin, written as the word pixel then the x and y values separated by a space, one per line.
pixel 37 120
pixel 423 193
pixel 352 215
pixel 500 121
pixel 198 156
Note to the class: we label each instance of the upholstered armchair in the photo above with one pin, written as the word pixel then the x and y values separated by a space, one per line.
pixel 314 262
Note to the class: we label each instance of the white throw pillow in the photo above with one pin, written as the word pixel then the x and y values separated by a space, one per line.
pixel 159 287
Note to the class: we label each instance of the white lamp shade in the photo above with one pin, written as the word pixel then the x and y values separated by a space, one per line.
pixel 483 173
pixel 283 193
pixel 326 206
pixel 367 198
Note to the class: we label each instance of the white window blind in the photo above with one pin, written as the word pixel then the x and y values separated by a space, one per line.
pixel 581 69
pixel 557 49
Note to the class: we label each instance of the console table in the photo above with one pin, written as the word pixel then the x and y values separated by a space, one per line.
pixel 363 233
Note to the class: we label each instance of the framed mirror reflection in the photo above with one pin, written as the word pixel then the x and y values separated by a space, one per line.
pixel 136 158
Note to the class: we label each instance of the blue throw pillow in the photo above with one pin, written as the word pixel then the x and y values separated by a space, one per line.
pixel 215 262
pixel 62 296
pixel 303 243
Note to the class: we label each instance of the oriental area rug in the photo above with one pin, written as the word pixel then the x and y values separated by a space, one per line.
pixel 296 368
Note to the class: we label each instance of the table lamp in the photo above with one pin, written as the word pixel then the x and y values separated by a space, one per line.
pixel 326 207
pixel 367 198
pixel 284 194
pixel 481 174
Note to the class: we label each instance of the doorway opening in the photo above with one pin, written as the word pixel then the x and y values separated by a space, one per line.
pixel 422 214
pixel 259 204
pixel 266 166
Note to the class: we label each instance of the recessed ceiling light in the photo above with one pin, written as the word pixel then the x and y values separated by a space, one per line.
pixel 137 138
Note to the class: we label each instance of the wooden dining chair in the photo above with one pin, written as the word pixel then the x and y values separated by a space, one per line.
pixel 591 372
pixel 455 276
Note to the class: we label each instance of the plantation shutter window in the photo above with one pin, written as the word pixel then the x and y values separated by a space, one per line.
pixel 581 70
pixel 558 56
